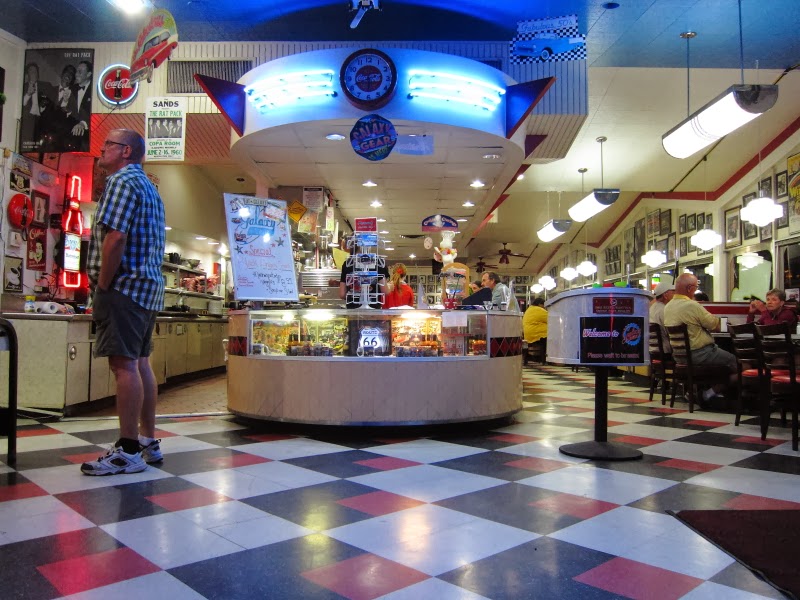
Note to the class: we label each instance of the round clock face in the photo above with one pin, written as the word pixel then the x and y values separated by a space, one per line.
pixel 368 78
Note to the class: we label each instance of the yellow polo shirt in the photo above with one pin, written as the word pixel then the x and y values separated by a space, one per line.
pixel 682 309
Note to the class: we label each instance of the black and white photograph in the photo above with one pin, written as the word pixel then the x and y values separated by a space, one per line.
pixel 57 100
pixel 781 184
pixel 639 240
pixel 709 221
pixel 750 230
pixel 653 223
pixel 766 232
pixel 783 221
pixel 683 246
pixel 701 221
pixel 164 128
pixel 665 222
pixel 671 242
pixel 682 224
pixel 40 207
pixel 765 187
pixel 691 222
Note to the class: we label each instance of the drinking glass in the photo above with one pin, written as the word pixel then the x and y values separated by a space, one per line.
pixel 487 304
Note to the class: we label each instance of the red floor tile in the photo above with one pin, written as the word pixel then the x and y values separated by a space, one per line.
pixel 746 439
pixel 269 437
pixel 705 423
pixel 187 499
pixel 576 506
pixel 160 433
pixel 638 581
pixel 687 465
pixel 237 460
pixel 387 463
pixel 379 503
pixel 21 433
pixel 748 502
pixel 78 459
pixel 20 491
pixel 665 410
pixel 364 577
pixel 635 439
pixel 514 438
pixel 75 575
pixel 541 465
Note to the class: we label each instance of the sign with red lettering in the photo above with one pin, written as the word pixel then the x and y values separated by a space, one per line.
pixel 373 137
pixel 612 306
pixel 114 86
pixel 366 225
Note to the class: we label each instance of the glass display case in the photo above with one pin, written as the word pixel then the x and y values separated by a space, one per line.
pixel 374 333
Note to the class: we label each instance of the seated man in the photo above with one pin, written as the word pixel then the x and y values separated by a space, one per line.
pixel 663 293
pixel 534 327
pixel 773 311
pixel 682 309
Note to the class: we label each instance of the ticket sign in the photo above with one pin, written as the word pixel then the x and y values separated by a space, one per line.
pixel 612 340
pixel 612 306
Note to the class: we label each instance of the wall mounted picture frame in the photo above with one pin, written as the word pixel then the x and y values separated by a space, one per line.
pixel 783 222
pixel 41 212
pixel 665 222
pixel 709 221
pixel 749 230
pixel 629 239
pixel 701 221
pixel 765 187
pixel 766 232
pixel 671 242
pixel 733 228
pixel 682 224
pixel 782 184
pixel 653 223
pixel 683 249
pixel 747 198
pixel 691 222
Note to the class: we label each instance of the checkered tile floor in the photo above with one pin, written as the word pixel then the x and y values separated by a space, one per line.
pixel 244 511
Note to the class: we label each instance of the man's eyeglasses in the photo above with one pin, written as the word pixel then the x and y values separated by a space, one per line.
pixel 107 142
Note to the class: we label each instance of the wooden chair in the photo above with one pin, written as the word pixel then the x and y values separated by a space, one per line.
pixel 685 372
pixel 536 351
pixel 751 374
pixel 661 364
pixel 777 351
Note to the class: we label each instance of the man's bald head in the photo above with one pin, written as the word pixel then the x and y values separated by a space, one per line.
pixel 684 284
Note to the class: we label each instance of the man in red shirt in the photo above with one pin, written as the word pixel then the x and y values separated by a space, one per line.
pixel 773 311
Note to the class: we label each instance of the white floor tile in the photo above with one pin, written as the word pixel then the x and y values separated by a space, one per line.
pixel 754 430
pixel 81 425
pixel 651 431
pixel 433 588
pixel 780 486
pixel 199 427
pixel 220 513
pixel 35 443
pixel 601 484
pixel 542 430
pixel 291 448
pixel 168 540
pixel 425 451
pixel 285 475
pixel 709 590
pixel 155 586
pixel 544 449
pixel 699 452
pixel 233 484
pixel 176 444
pixel 261 532
pixel 37 517
pixel 58 480
pixel 427 483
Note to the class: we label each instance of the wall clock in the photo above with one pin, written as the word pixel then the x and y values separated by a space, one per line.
pixel 368 78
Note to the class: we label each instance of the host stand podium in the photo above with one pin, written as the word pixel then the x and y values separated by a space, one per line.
pixel 599 328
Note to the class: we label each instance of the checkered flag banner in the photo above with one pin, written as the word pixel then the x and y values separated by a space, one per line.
pixel 548 40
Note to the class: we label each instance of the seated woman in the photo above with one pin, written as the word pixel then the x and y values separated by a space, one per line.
pixel 773 311
pixel 400 293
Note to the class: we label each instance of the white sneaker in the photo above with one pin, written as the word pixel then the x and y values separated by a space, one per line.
pixel 115 462
pixel 151 453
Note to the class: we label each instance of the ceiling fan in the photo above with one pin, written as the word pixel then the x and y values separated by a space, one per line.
pixel 505 253
pixel 481 266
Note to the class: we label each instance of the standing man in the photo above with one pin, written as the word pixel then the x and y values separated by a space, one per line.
pixel 501 294
pixel 663 293
pixel 124 267
pixel 699 323
pixel 79 108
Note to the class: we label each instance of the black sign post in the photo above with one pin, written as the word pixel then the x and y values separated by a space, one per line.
pixel 615 339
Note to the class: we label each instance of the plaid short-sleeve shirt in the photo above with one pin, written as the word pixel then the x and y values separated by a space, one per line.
pixel 130 204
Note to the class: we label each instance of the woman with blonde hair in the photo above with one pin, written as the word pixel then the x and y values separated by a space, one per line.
pixel 400 293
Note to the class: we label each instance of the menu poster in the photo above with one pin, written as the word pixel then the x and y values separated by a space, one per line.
pixel 612 340
pixel 261 248
pixel 313 198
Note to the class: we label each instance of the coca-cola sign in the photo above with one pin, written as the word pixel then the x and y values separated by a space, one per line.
pixel 114 85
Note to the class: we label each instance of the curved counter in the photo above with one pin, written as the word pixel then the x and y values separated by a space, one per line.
pixel 454 366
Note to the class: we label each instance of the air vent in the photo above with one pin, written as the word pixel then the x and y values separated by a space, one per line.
pixel 317 278
pixel 180 73
pixel 495 63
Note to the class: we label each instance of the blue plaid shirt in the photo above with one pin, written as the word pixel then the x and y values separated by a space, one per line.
pixel 131 204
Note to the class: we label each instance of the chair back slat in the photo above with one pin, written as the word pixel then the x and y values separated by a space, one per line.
pixel 679 340
pixel 743 343
pixel 656 342
pixel 776 348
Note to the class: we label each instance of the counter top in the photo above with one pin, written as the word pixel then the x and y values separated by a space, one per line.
pixel 87 318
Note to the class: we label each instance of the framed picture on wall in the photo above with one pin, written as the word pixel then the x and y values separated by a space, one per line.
pixel 665 222
pixel 683 249
pixel 628 237
pixel 701 221
pixel 783 222
pixel 661 246
pixel 766 232
pixel 639 242
pixel 691 222
pixel 733 228
pixel 765 187
pixel 709 221
pixel 40 207
pixel 682 224
pixel 653 223
pixel 748 197
pixel 671 241
pixel 781 184
pixel 750 230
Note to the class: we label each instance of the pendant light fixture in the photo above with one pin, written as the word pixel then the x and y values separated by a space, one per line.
pixel 749 260
pixel 554 227
pixel 547 282
pixel 598 199
pixel 569 273
pixel 586 268
pixel 537 288
pixel 733 108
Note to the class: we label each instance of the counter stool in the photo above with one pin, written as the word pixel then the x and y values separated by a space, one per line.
pixel 8 415
pixel 777 354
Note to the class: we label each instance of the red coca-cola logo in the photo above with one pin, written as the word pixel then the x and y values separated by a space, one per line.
pixel 114 85
pixel 368 78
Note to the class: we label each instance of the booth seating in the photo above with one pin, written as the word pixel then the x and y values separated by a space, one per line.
pixel 777 356
pixel 661 364
pixel 694 380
